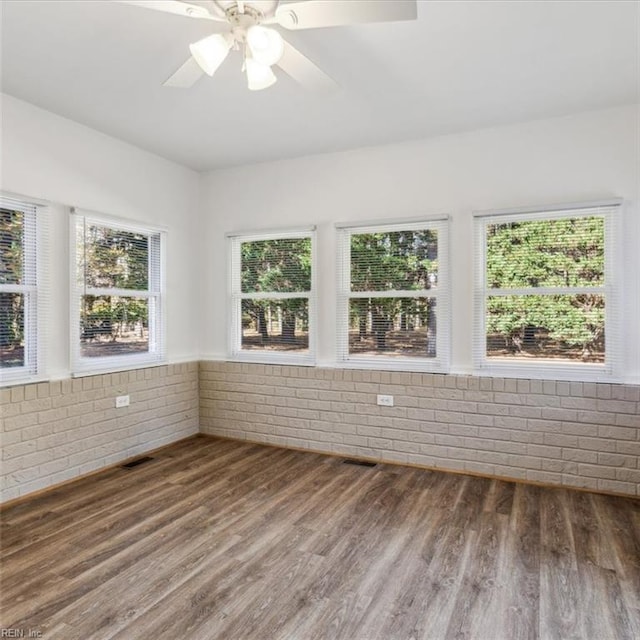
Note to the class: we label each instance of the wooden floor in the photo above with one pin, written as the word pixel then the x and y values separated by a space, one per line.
pixel 219 539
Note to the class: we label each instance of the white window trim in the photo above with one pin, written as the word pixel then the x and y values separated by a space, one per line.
pixel 442 294
pixel 156 355
pixel 610 371
pixel 36 292
pixel 236 296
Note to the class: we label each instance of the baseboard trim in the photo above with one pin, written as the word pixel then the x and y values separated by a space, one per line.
pixel 415 465
pixel 37 494
pixel 54 487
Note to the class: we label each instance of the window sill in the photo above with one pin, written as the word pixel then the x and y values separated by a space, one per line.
pixel 547 371
pixel 115 368
pixel 6 383
pixel 273 358
pixel 387 363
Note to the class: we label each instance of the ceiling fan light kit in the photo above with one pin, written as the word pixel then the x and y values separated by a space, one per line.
pixel 264 47
pixel 259 76
pixel 267 45
pixel 210 52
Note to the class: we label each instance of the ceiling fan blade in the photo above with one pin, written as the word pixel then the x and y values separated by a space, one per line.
pixel 305 72
pixel 186 76
pixel 174 6
pixel 215 9
pixel 311 14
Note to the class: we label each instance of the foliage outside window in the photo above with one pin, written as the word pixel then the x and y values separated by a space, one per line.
pixel 544 297
pixel 118 304
pixel 18 290
pixel 394 296
pixel 272 297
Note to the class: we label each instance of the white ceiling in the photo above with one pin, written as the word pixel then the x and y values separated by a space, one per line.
pixel 460 66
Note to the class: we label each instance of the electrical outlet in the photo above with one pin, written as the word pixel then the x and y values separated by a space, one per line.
pixel 122 401
pixel 385 401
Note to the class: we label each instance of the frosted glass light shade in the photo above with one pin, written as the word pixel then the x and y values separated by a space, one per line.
pixel 267 45
pixel 210 52
pixel 259 76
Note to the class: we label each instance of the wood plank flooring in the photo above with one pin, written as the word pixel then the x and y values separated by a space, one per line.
pixel 215 539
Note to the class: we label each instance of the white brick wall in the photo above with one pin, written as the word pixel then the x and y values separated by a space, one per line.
pixel 575 434
pixel 570 433
pixel 52 432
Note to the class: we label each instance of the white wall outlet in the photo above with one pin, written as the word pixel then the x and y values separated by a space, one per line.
pixel 122 401
pixel 385 401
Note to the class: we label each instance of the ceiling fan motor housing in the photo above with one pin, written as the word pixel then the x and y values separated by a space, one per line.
pixel 241 22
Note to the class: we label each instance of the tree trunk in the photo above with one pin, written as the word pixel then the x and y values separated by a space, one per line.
pixel 529 337
pixel 263 330
pixel 431 329
pixel 362 319
pixel 288 327
pixel 7 320
pixel 404 316
pixel 380 331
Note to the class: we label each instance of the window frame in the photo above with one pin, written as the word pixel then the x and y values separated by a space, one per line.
pixel 34 291
pixel 442 294
pixel 156 292
pixel 608 371
pixel 236 296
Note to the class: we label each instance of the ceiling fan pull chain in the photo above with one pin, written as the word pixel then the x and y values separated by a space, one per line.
pixel 245 53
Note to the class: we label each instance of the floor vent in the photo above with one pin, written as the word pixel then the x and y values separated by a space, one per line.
pixel 360 463
pixel 136 462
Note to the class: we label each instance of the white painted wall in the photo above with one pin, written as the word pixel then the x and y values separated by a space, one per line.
pixel 578 158
pixel 48 157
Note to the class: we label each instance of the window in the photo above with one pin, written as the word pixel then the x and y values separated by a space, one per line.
pixel 272 297
pixel 546 292
pixel 117 303
pixel 20 304
pixel 393 304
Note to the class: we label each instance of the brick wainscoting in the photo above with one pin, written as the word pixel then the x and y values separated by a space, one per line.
pixel 55 431
pixel 576 434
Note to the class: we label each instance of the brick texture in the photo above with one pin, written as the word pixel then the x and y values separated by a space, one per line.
pixel 573 434
pixel 55 431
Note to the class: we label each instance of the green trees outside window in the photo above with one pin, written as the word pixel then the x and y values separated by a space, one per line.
pixel 18 289
pixel 392 309
pixel 113 261
pixel 275 285
pixel 11 302
pixel 545 289
pixel 118 295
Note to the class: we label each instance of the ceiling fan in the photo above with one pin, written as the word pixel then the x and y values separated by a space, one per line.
pixel 242 25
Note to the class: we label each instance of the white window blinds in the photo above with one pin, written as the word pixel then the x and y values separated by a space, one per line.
pixel 22 296
pixel 117 318
pixel 546 298
pixel 393 296
pixel 272 297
